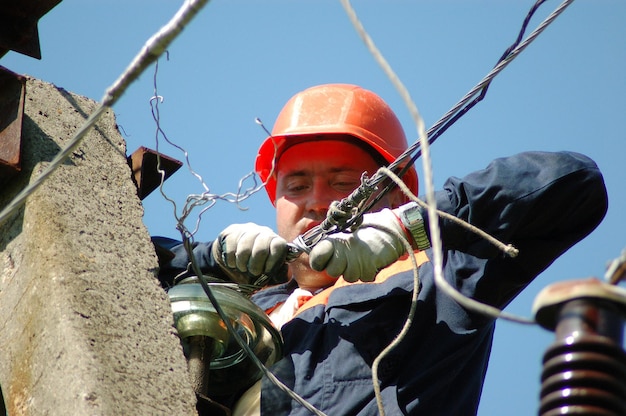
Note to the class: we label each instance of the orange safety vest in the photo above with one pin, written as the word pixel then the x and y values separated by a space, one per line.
pixel 401 265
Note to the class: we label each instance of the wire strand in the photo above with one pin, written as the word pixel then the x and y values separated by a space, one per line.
pixel 440 281
pixel 473 97
pixel 206 199
pixel 407 323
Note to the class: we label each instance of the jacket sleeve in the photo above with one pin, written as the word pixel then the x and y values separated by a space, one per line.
pixel 542 203
pixel 174 260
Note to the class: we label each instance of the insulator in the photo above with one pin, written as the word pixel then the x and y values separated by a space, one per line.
pixel 218 365
pixel 584 370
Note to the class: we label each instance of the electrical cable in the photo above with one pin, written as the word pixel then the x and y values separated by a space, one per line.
pixel 466 302
pixel 468 101
pixel 474 96
pixel 407 323
pixel 153 48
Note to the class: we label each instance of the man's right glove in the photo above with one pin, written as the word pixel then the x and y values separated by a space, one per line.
pixel 361 254
pixel 246 251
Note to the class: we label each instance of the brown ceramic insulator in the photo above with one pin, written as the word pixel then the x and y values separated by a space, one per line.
pixel 584 370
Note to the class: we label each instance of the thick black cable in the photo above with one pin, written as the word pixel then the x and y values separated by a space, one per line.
pixel 435 132
pixel 305 242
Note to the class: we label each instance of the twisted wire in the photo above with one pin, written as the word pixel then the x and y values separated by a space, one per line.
pixel 474 96
pixel 206 199
pixel 304 243
pixel 440 281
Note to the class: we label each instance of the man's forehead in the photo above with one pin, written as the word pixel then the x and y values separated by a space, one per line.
pixel 292 171
pixel 335 157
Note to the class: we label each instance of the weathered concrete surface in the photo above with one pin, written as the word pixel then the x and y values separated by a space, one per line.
pixel 85 329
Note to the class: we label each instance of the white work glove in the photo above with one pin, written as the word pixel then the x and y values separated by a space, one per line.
pixel 361 254
pixel 247 251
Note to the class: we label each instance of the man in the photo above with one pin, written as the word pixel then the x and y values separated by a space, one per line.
pixel 348 299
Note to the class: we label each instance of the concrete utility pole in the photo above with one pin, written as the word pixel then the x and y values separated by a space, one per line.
pixel 85 328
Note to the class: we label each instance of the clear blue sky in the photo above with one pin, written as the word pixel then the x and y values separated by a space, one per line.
pixel 243 59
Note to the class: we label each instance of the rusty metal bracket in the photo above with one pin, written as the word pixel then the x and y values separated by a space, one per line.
pixel 18 25
pixel 12 95
pixel 143 163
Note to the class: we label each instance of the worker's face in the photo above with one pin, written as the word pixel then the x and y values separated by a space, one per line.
pixel 310 176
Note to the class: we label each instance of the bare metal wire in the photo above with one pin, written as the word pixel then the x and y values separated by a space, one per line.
pixel 206 199
pixel 477 92
pixel 474 96
pixel 408 157
pixel 466 302
pixel 424 144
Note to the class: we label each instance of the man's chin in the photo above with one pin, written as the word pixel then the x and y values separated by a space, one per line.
pixel 307 277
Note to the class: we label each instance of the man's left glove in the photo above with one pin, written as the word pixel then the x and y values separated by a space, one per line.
pixel 361 254
pixel 246 251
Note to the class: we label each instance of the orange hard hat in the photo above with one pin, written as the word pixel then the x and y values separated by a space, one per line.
pixel 326 111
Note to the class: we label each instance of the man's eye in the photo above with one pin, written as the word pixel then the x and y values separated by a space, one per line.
pixel 297 186
pixel 346 183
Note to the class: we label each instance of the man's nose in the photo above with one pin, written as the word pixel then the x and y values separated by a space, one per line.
pixel 320 198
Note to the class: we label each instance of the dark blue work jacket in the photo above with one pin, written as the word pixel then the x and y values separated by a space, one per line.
pixel 542 203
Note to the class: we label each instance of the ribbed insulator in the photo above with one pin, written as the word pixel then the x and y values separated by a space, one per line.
pixel 584 373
